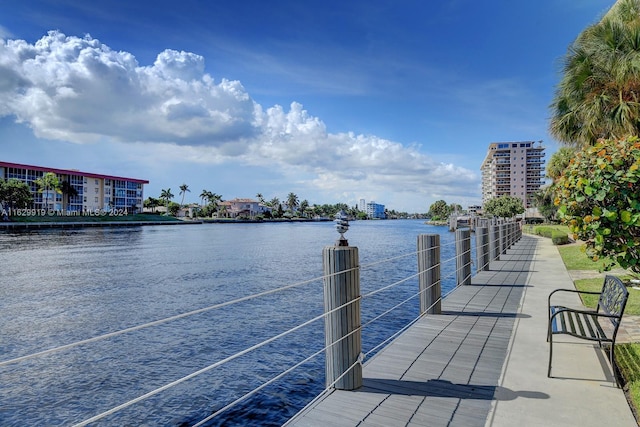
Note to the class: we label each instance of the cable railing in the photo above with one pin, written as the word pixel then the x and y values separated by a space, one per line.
pixel 458 267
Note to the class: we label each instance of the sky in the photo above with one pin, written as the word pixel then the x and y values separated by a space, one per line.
pixel 335 101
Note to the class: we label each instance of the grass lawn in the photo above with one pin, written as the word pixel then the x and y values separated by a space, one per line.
pixel 595 285
pixel 628 363
pixel 575 259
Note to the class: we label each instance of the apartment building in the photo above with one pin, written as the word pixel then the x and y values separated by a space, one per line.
pixel 514 169
pixel 93 192
pixel 375 211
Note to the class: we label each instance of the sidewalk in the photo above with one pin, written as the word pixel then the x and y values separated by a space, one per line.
pixel 582 391
pixel 483 361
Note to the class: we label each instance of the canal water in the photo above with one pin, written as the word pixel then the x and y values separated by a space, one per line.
pixel 62 286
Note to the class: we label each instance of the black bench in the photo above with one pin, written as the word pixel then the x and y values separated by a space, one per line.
pixel 585 324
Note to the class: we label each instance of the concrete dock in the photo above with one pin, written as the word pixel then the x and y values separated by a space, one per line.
pixel 483 361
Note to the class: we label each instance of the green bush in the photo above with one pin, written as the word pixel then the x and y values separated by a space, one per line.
pixel 557 237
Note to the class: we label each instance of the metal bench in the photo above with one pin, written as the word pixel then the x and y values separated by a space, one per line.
pixel 585 323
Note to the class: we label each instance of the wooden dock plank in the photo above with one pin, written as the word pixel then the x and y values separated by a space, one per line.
pixel 444 370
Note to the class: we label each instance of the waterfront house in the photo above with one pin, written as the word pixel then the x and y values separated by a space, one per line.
pixel 244 208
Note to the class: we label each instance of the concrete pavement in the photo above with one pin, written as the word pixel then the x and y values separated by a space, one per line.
pixel 582 391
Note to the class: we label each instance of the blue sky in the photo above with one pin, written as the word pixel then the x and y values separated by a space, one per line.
pixel 390 101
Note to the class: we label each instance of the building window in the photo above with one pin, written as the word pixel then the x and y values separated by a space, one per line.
pixel 96 182
pixel 97 190
pixel 96 200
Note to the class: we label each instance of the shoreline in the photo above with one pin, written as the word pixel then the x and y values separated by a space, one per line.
pixel 28 225
pixel 82 224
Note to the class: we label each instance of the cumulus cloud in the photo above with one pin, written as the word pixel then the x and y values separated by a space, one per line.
pixel 79 90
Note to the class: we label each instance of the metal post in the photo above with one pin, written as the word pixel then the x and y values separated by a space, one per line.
pixel 429 273
pixel 503 238
pixel 482 248
pixel 463 257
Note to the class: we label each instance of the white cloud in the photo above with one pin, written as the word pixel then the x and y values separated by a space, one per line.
pixel 79 90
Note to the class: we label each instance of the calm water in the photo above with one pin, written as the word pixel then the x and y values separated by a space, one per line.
pixel 61 286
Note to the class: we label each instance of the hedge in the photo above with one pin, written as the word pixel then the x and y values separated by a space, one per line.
pixel 557 237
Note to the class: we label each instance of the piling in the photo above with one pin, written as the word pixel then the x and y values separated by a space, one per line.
pixel 463 257
pixel 429 273
pixel 342 321
pixel 482 248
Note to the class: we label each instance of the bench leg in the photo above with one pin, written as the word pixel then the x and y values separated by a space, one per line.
pixel 613 365
pixel 550 338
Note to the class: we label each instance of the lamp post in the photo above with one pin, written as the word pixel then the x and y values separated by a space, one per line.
pixel 342 225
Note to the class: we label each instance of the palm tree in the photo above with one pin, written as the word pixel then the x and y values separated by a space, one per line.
pixel 559 162
pixel 48 182
pixel 166 195
pixel 274 203
pixel 292 201
pixel 260 198
pixel 68 191
pixel 184 188
pixel 205 196
pixel 599 94
pixel 304 206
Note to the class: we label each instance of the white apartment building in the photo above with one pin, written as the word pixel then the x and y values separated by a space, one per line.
pixel 514 169
pixel 93 192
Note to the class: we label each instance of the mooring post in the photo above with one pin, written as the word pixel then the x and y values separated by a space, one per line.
pixel 463 257
pixel 342 307
pixel 494 242
pixel 512 233
pixel 429 273
pixel 504 235
pixel 482 248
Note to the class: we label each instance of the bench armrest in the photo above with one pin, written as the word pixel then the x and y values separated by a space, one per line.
pixel 575 291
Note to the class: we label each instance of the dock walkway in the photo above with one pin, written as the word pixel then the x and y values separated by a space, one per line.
pixel 483 361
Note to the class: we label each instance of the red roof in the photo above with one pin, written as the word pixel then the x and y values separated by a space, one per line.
pixel 70 172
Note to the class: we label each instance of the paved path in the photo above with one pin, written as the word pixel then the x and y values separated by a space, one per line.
pixel 582 391
pixel 483 361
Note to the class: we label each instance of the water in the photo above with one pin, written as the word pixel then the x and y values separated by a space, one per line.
pixel 61 286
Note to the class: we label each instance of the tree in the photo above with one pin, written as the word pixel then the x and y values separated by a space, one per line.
pixel 68 191
pixel 184 188
pixel 47 183
pixel 599 94
pixel 304 207
pixel 166 195
pixel 292 202
pixel 439 211
pixel 504 206
pixel 544 201
pixel 260 198
pixel 454 207
pixel 15 194
pixel 599 199
pixel 559 162
pixel 274 203
pixel 151 203
pixel 173 208
pixel 205 195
